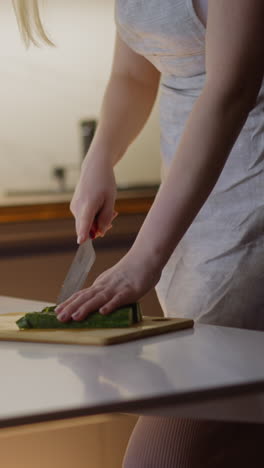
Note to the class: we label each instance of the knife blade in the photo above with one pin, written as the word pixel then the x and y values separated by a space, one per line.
pixel 78 271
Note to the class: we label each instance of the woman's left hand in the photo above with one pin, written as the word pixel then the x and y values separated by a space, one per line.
pixel 124 283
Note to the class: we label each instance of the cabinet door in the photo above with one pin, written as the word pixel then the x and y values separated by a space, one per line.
pixel 87 442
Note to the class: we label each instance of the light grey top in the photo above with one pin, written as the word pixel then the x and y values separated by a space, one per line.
pixel 216 273
pixel 40 381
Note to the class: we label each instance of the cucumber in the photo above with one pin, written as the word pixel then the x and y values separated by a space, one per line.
pixel 46 319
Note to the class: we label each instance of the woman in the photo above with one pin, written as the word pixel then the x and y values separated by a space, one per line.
pixel 202 242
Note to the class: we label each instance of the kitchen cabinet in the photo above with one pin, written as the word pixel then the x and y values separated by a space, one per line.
pixel 87 442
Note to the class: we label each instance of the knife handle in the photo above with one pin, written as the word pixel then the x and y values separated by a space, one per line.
pixel 94 228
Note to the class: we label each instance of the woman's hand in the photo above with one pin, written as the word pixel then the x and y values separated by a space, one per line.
pixel 126 282
pixel 93 201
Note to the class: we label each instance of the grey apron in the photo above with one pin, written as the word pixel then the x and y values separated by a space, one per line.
pixel 216 273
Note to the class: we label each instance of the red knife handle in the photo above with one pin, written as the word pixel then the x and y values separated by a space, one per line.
pixel 93 230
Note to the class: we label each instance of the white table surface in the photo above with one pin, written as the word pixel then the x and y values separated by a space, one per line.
pixel 208 372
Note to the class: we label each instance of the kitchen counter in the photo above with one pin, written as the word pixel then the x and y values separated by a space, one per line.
pixel 210 372
pixel 20 200
pixel 56 205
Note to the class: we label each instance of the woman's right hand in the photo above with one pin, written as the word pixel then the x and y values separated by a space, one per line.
pixel 93 201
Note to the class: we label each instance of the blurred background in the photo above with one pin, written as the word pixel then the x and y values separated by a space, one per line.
pixel 50 103
pixel 50 100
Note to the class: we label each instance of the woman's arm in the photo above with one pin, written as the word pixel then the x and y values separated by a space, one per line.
pixel 234 69
pixel 127 103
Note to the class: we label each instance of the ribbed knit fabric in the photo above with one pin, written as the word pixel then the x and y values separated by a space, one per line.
pixel 163 442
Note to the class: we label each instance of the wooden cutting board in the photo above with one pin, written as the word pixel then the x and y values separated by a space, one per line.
pixel 100 336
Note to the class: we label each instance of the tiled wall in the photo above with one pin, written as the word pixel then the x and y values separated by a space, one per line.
pixel 45 92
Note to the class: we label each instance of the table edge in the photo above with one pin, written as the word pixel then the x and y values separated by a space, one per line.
pixel 166 400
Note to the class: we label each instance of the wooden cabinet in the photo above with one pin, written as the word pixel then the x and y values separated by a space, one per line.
pixel 88 442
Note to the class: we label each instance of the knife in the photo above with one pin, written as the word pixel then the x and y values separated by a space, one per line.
pixel 78 271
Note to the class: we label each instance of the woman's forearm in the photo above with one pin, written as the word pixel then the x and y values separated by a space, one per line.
pixel 211 130
pixel 126 107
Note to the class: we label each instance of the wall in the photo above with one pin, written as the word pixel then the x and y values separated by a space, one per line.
pixel 45 92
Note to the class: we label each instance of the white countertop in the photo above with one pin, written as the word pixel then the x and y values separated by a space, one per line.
pixel 176 370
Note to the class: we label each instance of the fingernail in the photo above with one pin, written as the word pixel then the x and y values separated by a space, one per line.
pixel 103 311
pixel 61 316
pixel 79 239
pixel 76 315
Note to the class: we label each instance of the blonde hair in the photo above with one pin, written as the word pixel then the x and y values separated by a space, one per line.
pixel 29 22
